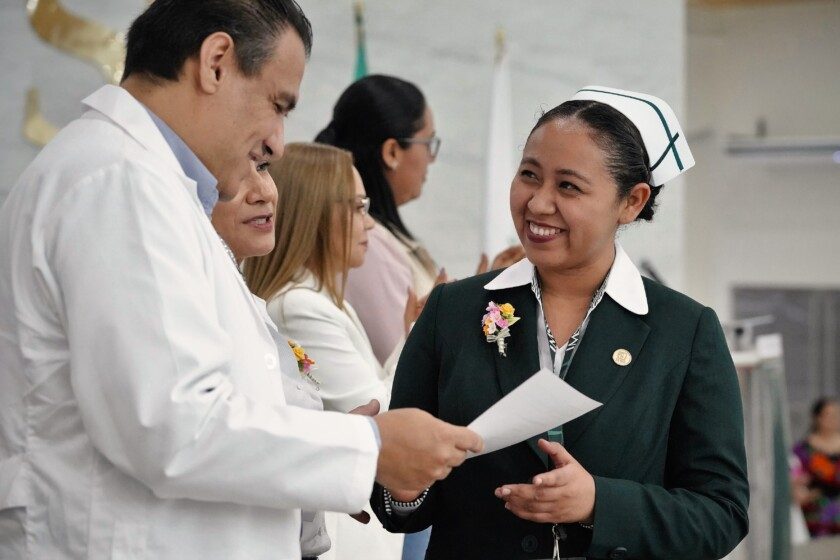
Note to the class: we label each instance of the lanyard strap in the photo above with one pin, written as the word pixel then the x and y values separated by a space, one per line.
pixel 549 343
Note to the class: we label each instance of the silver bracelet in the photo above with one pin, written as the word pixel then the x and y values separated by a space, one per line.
pixel 390 501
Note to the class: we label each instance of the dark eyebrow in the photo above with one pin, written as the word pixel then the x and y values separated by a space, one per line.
pixel 573 173
pixel 532 161
pixel 289 100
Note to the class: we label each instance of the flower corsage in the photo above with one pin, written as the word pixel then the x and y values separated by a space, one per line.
pixel 305 364
pixel 496 324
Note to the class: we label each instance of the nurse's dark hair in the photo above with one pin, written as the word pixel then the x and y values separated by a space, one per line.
pixel 370 111
pixel 626 157
pixel 169 32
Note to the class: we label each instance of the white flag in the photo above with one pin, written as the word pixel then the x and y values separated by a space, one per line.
pixel 499 232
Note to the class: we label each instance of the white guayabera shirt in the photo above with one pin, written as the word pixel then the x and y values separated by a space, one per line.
pixel 142 410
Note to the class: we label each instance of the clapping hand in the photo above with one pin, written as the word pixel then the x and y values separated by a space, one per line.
pixel 509 256
pixel 414 305
pixel 563 495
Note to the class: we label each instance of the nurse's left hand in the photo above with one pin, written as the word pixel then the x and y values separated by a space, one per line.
pixel 563 495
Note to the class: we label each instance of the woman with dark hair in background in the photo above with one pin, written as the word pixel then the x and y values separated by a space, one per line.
pixel 819 454
pixel 659 470
pixel 386 124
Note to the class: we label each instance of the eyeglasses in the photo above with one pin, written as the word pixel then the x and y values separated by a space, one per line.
pixel 433 143
pixel 362 204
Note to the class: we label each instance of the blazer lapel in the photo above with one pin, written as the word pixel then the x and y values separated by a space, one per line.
pixel 522 360
pixel 594 372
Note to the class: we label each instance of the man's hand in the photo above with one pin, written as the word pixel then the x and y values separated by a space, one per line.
pixel 418 449
pixel 369 409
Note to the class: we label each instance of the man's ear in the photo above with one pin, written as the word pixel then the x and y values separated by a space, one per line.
pixel 216 59
pixel 634 203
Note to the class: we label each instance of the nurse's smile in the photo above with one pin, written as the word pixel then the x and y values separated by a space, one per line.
pixel 537 232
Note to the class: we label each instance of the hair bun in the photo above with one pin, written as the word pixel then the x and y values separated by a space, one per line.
pixel 328 135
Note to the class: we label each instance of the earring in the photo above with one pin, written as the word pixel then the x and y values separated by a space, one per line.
pixel 392 166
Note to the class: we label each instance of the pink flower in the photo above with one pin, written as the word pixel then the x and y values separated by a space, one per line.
pixel 496 322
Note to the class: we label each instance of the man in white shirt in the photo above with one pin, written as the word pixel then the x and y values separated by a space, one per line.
pixel 142 412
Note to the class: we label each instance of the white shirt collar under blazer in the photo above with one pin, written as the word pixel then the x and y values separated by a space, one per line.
pixel 624 286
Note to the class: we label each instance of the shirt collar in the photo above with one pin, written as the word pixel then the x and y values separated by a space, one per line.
pixel 205 182
pixel 624 285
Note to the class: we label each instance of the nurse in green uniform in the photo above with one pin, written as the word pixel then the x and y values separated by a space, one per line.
pixel 659 470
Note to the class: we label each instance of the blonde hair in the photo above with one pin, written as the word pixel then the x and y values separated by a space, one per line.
pixel 310 179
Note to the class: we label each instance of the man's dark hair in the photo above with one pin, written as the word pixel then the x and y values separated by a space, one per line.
pixel 370 111
pixel 169 32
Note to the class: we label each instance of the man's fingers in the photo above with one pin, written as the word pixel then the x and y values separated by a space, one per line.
pixel 466 440
pixel 362 517
pixel 556 452
pixel 441 473
pixel 369 409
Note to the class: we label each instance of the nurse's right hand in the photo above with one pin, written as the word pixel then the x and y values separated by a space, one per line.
pixel 418 449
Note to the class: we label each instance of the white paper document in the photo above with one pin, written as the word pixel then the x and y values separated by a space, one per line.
pixel 541 403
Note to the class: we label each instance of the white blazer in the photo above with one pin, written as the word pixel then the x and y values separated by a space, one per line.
pixel 142 412
pixel 349 375
pixel 347 368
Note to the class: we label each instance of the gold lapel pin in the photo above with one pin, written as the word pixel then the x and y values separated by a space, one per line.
pixel 622 357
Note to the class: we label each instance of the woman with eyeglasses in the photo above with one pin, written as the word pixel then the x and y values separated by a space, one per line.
pixel 389 128
pixel 322 232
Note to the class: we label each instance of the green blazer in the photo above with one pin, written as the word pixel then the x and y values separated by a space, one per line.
pixel 666 449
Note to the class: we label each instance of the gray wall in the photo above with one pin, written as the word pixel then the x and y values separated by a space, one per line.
pixel 762 221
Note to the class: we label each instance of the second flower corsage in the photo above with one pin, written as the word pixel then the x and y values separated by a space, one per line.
pixel 305 364
pixel 496 324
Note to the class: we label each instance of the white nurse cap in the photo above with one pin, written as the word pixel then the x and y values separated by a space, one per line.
pixel 664 139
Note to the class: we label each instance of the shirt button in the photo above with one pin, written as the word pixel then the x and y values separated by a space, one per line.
pixel 618 553
pixel 530 543
pixel 270 361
